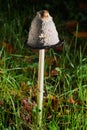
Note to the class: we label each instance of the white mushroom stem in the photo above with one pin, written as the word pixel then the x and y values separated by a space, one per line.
pixel 40 85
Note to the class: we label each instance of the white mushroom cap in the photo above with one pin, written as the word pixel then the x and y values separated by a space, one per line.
pixel 43 33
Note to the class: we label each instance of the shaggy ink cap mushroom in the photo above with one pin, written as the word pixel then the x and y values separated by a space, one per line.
pixel 42 33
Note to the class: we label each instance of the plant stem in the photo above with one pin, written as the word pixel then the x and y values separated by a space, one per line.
pixel 40 85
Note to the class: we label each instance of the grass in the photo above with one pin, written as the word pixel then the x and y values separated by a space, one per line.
pixel 65 91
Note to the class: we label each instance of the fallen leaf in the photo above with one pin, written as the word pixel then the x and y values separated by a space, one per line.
pixel 58 49
pixel 8 47
pixel 83 6
pixel 71 24
pixel 71 100
pixel 80 34
pixel 54 72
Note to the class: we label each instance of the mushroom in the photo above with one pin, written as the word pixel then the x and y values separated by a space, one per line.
pixel 42 35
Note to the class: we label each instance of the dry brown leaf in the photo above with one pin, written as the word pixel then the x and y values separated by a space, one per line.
pixel 71 100
pixel 71 24
pixel 58 49
pixel 83 6
pixel 80 34
pixel 54 72
pixel 8 47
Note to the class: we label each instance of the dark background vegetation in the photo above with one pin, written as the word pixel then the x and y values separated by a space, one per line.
pixel 61 10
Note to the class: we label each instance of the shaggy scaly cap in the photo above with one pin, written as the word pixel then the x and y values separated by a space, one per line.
pixel 43 33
